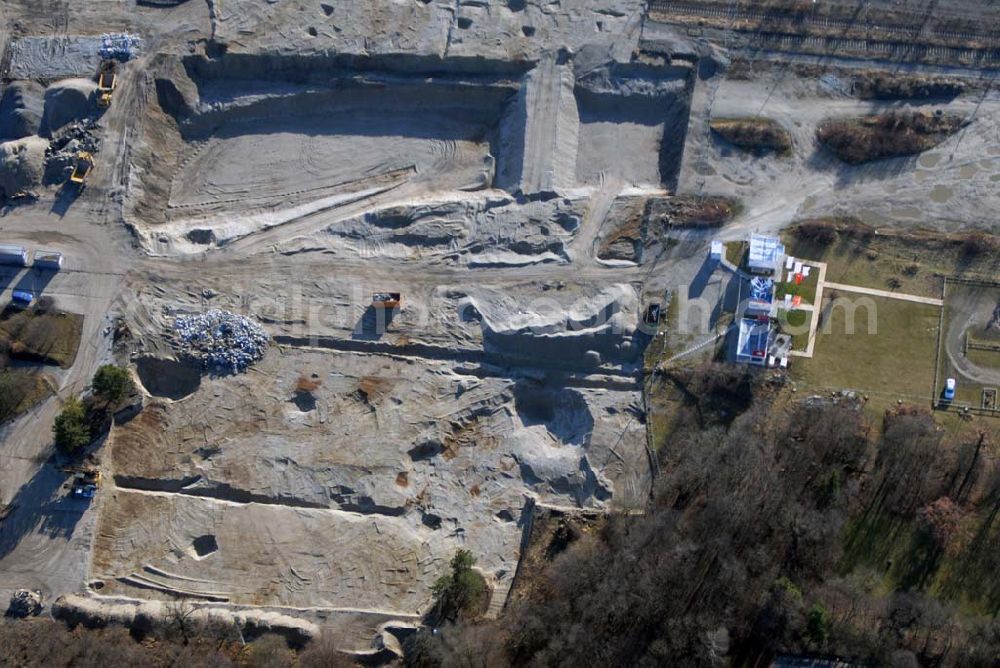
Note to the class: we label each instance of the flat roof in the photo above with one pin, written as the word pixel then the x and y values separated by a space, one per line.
pixel 753 337
pixel 12 249
pixel 765 251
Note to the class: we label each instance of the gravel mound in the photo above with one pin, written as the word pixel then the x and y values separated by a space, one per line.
pixel 21 110
pixel 22 163
pixel 67 101
pixel 221 341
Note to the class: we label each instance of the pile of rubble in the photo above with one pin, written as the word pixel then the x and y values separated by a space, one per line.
pixel 120 46
pixel 25 603
pixel 220 340
pixel 66 144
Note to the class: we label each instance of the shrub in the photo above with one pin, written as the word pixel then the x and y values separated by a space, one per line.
pixel 889 135
pixel 979 243
pixel 906 88
pixel 268 651
pixel 463 592
pixel 818 624
pixel 818 232
pixel 111 383
pixel 71 428
pixel 754 134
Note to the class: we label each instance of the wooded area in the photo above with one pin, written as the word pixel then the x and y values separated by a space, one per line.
pixel 776 526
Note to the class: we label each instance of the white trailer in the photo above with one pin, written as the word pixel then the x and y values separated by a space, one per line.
pixel 47 259
pixel 15 255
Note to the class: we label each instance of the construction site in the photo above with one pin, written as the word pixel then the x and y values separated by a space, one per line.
pixel 431 241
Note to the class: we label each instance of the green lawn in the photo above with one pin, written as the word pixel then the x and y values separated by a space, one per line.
pixel 894 362
pixel 915 264
pixel 736 251
pixel 19 391
pixel 795 323
pixel 806 289
pixel 40 335
pixel 984 358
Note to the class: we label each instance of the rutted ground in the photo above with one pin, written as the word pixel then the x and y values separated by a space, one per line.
pixel 496 163
pixel 399 450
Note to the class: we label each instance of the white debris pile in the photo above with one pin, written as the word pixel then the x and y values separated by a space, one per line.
pixel 119 46
pixel 221 340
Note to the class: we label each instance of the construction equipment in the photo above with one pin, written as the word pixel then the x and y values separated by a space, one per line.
pixel 85 482
pixel 107 79
pixel 387 300
pixel 82 166
pixel 652 314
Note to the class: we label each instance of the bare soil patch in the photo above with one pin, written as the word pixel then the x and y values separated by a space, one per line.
pixel 552 531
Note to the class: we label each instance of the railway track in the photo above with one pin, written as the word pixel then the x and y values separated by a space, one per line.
pixel 870 47
pixel 916 31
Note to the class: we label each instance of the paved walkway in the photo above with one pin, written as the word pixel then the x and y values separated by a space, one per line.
pixel 815 308
pixel 886 293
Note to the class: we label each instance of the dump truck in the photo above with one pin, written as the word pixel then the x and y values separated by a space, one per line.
pixel 387 300
pixel 107 80
pixel 82 166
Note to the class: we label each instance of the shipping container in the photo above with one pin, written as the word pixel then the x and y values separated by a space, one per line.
pixel 16 255
pixel 46 259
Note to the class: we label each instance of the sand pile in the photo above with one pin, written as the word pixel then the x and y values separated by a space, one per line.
pixel 22 163
pixel 67 101
pixel 21 110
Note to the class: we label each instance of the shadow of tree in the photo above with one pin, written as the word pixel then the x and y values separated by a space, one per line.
pixel 41 507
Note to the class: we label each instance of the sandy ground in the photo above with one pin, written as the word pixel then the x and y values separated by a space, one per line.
pixel 472 157
pixel 945 187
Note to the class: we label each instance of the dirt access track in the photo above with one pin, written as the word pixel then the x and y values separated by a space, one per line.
pixel 286 160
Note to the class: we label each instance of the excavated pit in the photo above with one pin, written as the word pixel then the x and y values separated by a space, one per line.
pixel 168 379
pixel 563 412
pixel 204 545
pixel 633 124
pixel 228 136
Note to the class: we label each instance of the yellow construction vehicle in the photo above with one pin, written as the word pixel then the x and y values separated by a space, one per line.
pixel 81 167
pixel 107 79
pixel 84 483
pixel 387 300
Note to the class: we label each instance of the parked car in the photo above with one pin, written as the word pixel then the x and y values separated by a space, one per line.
pixel 949 389
pixel 23 297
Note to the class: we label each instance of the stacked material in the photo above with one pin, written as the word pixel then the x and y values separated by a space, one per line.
pixel 220 340
pixel 119 46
